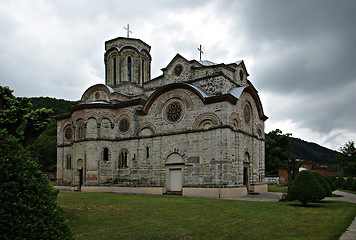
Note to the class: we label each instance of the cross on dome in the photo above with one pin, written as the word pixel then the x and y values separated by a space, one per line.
pixel 128 30
pixel 200 52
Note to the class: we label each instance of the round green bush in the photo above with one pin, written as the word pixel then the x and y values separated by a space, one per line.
pixel 353 186
pixel 348 183
pixel 333 178
pixel 324 183
pixel 28 208
pixel 331 183
pixel 339 182
pixel 305 188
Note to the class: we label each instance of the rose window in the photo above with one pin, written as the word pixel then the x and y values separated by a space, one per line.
pixel 174 111
pixel 247 114
pixel 178 70
pixel 124 125
pixel 68 133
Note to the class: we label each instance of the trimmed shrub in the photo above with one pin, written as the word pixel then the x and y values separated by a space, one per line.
pixel 324 183
pixel 305 188
pixel 348 183
pixel 353 186
pixel 331 183
pixel 28 204
pixel 339 182
pixel 333 178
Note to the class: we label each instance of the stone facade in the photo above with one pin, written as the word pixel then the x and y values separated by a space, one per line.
pixel 196 130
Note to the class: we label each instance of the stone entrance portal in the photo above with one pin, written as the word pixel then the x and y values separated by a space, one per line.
pixel 174 173
pixel 80 173
pixel 175 180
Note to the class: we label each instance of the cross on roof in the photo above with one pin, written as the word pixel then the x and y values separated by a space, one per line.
pixel 200 52
pixel 128 30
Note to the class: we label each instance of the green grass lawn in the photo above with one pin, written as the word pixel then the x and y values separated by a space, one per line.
pixel 277 188
pixel 118 216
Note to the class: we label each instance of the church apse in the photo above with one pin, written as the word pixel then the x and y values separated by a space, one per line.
pixel 185 132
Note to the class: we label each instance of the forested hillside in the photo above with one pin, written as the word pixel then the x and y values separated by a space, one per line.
pixel 59 106
pixel 313 152
pixel 44 149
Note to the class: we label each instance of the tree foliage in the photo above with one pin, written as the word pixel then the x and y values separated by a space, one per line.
pixel 28 208
pixel 312 152
pixel 305 188
pixel 17 116
pixel 44 149
pixel 339 182
pixel 347 185
pixel 324 183
pixel 347 159
pixel 331 183
pixel 278 151
pixel 353 186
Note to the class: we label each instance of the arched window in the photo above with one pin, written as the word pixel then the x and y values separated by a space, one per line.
pixel 123 159
pixel 129 63
pixel 247 157
pixel 114 67
pixel 69 163
pixel 106 154
pixel 241 73
pixel 80 129
pixel 147 152
pixel 80 132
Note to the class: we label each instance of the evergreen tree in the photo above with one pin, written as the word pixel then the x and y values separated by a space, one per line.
pixel 28 208
pixel 353 186
pixel 331 183
pixel 305 188
pixel 339 182
pixel 324 183
pixel 347 185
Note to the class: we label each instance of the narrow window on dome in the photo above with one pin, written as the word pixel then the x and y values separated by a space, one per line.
pixel 114 66
pixel 129 63
pixel 143 71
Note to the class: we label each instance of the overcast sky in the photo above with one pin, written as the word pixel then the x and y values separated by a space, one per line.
pixel 301 55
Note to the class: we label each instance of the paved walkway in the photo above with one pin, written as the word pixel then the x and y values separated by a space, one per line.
pixel 347 197
pixel 350 233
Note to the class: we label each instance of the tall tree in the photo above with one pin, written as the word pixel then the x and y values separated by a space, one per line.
pixel 278 151
pixel 28 208
pixel 19 120
pixel 347 159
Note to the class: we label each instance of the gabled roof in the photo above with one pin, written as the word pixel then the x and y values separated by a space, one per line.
pixel 242 63
pixel 174 59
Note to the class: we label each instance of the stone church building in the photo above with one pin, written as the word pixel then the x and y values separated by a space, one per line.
pixel 196 130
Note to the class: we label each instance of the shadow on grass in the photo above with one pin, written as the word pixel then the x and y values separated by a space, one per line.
pixel 309 205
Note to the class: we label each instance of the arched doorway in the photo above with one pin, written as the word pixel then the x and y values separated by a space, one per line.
pixel 80 172
pixel 246 170
pixel 174 173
